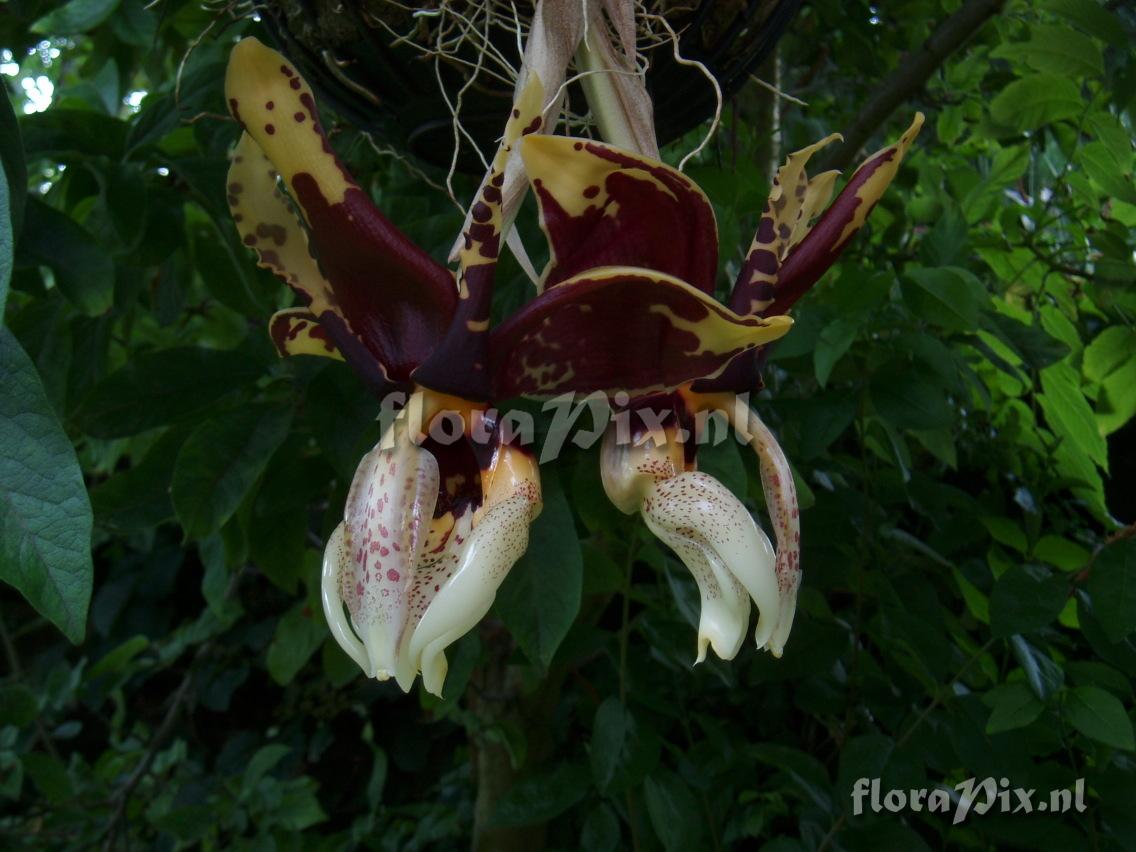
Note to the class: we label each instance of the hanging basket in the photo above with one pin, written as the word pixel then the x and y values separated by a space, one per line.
pixel 377 63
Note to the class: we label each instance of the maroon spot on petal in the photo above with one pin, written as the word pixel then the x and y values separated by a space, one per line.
pixel 277 233
pixel 286 71
pixel 270 105
pixel 763 260
pixel 492 194
pixel 579 146
pixel 295 84
pixel 359 590
pixel 299 117
pixel 765 230
pixel 481 212
pixel 516 113
pixel 591 191
pixel 498 179
pixel 269 129
pixel 533 127
pixel 392 575
pixel 250 240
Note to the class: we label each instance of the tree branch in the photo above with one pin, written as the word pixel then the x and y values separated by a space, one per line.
pixel 910 77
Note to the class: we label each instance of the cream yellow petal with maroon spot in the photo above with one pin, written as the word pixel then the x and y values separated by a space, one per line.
pixel 450 597
pixel 296 331
pixel 268 225
pixel 790 202
pixel 727 553
pixel 605 206
pixel 371 563
pixel 709 529
pixel 781 503
pixel 823 243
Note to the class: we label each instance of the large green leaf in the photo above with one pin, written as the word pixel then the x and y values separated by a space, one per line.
pixel 12 159
pixel 6 246
pixel 540 598
pixel 1112 584
pixel 1030 102
pixel 541 797
pixel 45 516
pixel 1056 49
pixel 910 398
pixel 84 271
pixel 221 461
pixel 673 810
pixel 1099 715
pixel 1068 412
pixel 1014 706
pixel 174 383
pixel 1026 598
pixel 948 297
pixel 75 17
pixel 622 750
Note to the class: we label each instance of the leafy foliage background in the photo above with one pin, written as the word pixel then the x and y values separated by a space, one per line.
pixel 957 397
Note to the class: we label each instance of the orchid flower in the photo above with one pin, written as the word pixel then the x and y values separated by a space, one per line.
pixel 615 214
pixel 430 528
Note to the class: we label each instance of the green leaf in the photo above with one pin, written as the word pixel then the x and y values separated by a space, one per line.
pixel 1026 598
pixel 1112 585
pixel 1042 674
pixel 1015 706
pixel 221 461
pixel 835 340
pixel 1056 49
pixel 75 17
pixel 45 515
pixel 83 270
pixel 1004 531
pixel 263 762
pixel 1033 101
pixel 298 635
pixel 542 797
pixel 947 297
pixel 50 776
pixel 601 831
pixel 1113 175
pixel 540 598
pixel 7 248
pixel 674 813
pixel 909 397
pixel 138 498
pixel 1110 361
pixel 15 169
pixel 175 383
pixel 1100 716
pixel 621 752
pixel 1091 17
pixel 18 705
pixel 1065 554
pixel 1068 413
pixel 63 133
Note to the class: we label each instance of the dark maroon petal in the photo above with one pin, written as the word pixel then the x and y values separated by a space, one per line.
pixel 620 329
pixel 602 206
